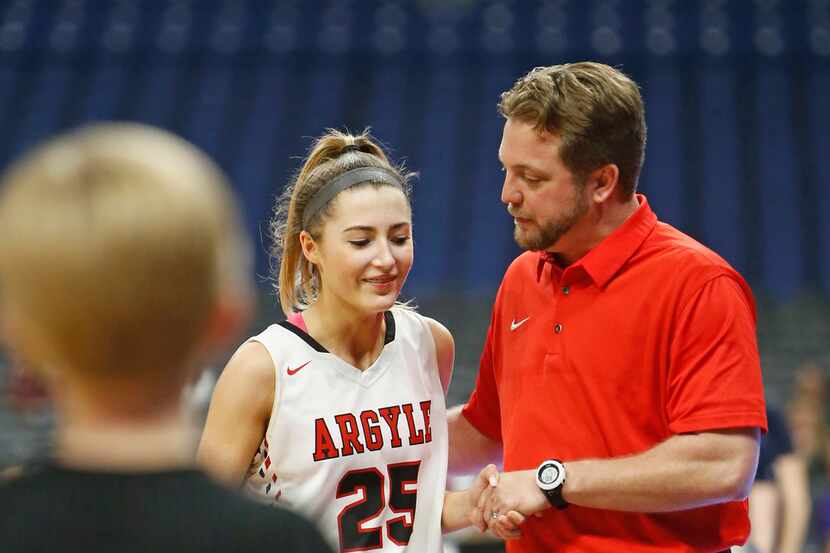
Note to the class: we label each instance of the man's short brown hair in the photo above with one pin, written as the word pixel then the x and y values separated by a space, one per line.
pixel 595 109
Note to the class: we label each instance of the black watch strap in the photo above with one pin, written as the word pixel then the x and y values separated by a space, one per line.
pixel 555 498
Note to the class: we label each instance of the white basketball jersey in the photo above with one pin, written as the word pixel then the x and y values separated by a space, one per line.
pixel 362 453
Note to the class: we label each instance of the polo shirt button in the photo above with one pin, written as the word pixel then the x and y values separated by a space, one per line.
pixel 558 328
pixel 566 290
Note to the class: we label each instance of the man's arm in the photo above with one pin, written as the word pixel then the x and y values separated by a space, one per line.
pixel 684 472
pixel 470 450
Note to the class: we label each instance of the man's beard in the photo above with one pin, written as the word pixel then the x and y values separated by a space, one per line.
pixel 550 234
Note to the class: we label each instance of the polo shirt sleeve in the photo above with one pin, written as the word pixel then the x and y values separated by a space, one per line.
pixel 714 377
pixel 483 410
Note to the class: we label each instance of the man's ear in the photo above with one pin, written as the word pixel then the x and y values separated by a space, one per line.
pixel 604 182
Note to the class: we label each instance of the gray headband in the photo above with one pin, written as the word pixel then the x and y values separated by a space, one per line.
pixel 328 191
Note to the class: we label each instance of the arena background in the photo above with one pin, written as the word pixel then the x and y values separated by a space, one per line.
pixel 738 106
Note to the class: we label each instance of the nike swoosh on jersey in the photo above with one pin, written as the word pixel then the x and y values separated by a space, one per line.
pixel 292 372
pixel 514 325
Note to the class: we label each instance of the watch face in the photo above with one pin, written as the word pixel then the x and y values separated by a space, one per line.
pixel 549 474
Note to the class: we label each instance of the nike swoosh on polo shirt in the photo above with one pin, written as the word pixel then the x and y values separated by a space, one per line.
pixel 514 324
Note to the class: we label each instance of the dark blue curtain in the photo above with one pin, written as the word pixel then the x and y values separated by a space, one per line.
pixel 737 96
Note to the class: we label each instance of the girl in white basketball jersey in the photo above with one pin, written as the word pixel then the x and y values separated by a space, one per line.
pixel 339 411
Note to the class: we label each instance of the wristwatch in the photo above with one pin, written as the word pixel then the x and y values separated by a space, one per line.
pixel 550 477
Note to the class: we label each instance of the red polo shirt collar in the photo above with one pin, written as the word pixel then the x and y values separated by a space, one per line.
pixel 605 260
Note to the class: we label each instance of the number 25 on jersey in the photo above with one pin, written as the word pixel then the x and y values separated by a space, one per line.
pixel 403 480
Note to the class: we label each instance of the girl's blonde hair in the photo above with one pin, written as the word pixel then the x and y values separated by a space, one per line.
pixel 331 155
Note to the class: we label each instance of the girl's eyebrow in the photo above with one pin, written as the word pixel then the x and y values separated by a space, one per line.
pixel 369 229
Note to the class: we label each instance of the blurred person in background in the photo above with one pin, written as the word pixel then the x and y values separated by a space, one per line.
pixel 122 266
pixel 620 377
pixel 808 422
pixel 807 413
pixel 339 411
pixel 823 523
pixel 779 503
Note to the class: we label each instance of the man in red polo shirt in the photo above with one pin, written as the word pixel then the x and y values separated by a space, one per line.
pixel 620 379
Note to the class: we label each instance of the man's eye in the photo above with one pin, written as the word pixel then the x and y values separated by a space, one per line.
pixel 359 243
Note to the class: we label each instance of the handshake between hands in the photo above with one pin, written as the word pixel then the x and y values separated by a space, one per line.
pixel 502 502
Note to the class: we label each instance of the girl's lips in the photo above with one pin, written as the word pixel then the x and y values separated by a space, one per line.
pixel 382 287
pixel 380 280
